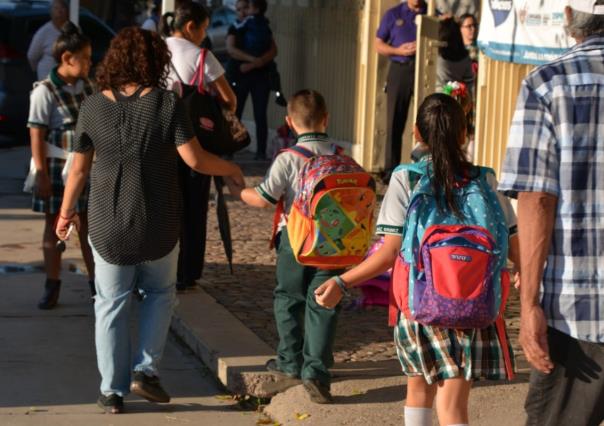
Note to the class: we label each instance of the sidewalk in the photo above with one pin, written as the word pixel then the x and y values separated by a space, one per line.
pixel 49 375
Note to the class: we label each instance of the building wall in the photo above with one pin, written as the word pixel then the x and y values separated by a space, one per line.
pixel 328 45
pixel 371 100
pixel 498 87
pixel 317 43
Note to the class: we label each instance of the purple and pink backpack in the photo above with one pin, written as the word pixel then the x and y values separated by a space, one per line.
pixel 451 271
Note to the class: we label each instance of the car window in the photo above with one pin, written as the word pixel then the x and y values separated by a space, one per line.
pixel 4 29
pixel 218 18
pixel 230 16
pixel 99 34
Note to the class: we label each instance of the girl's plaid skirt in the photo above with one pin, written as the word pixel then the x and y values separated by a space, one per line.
pixel 443 353
pixel 52 204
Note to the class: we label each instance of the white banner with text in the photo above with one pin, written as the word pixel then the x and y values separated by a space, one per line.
pixel 523 31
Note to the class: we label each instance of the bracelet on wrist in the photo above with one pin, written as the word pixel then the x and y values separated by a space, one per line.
pixel 340 282
pixel 69 216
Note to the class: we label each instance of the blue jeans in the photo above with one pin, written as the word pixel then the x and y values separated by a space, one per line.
pixel 114 285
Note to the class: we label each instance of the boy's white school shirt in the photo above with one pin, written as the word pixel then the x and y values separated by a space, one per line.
pixel 281 179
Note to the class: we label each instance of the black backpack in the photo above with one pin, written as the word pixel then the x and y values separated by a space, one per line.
pixel 219 131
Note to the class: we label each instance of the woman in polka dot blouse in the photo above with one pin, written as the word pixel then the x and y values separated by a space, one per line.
pixel 135 130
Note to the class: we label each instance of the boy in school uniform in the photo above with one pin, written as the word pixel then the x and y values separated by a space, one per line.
pixel 306 330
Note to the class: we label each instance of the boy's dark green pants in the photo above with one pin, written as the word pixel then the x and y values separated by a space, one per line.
pixel 306 330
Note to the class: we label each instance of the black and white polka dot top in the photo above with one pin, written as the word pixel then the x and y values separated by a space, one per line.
pixel 134 205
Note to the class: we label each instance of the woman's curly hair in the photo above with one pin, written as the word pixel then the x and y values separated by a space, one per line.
pixel 135 56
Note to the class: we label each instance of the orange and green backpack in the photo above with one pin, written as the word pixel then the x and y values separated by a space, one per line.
pixel 330 225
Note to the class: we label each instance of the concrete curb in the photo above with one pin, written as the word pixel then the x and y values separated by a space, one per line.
pixel 231 351
pixel 236 355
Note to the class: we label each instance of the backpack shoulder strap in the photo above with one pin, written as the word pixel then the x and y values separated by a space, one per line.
pixel 280 208
pixel 412 167
pixel 483 177
pixel 301 151
pixel 198 77
pixel 89 87
pixel 416 172
pixel 59 97
pixel 484 171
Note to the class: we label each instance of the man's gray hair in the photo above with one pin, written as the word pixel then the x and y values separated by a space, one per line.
pixel 585 24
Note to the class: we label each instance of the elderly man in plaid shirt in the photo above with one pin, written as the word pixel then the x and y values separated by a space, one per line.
pixel 555 165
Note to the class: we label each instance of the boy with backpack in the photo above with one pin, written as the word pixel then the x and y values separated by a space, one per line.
pixel 446 235
pixel 305 260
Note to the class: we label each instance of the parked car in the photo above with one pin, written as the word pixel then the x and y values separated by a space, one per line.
pixel 222 18
pixel 19 20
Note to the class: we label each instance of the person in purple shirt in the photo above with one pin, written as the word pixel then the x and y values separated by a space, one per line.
pixel 395 39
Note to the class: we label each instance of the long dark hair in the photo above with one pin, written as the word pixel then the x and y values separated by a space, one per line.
pixel 449 32
pixel 135 56
pixel 70 40
pixel 185 12
pixel 442 123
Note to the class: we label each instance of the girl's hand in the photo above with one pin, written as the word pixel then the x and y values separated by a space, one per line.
pixel 328 294
pixel 43 188
pixel 63 223
pixel 517 280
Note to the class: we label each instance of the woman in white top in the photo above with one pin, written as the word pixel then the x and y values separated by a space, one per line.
pixel 185 29
pixel 39 53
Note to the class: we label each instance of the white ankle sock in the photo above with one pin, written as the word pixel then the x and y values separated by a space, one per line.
pixel 418 416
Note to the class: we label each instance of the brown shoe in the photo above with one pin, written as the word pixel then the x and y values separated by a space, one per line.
pixel 148 387
pixel 317 391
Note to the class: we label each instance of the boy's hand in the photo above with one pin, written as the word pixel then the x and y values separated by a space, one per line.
pixel 328 294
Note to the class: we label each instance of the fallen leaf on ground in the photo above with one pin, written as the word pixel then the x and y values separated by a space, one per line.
pixel 224 397
pixel 176 419
pixel 302 416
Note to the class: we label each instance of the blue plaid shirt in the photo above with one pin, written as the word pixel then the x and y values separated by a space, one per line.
pixel 556 145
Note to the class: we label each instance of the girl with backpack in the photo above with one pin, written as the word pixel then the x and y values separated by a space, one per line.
pixel 53 112
pixel 440 362
pixel 185 29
